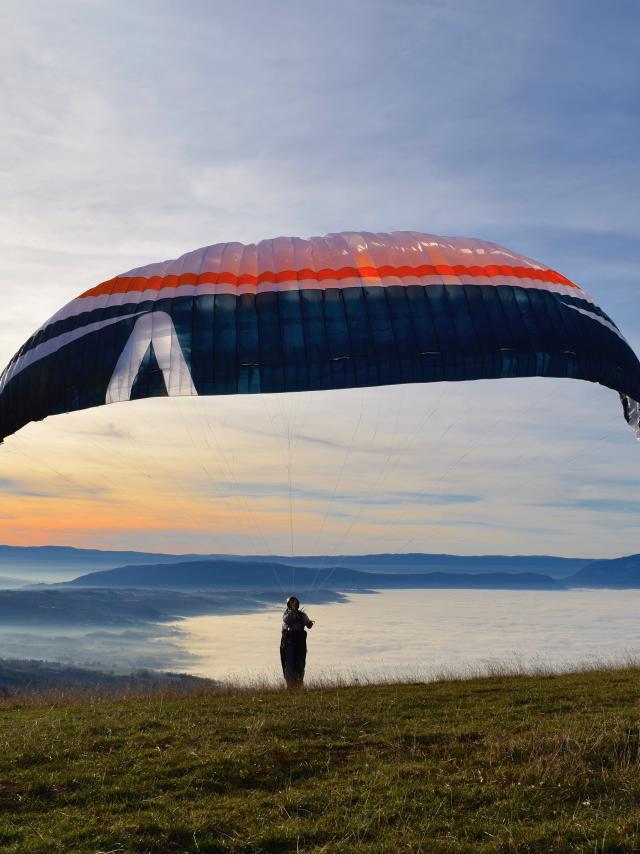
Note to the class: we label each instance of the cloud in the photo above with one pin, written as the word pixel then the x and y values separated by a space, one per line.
pixel 14 487
pixel 269 489
pixel 599 505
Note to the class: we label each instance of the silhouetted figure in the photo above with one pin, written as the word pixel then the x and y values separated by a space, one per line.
pixel 293 646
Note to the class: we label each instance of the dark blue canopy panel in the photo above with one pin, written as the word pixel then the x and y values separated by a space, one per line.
pixel 345 310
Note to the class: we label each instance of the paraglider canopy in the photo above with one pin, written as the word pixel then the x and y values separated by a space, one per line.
pixel 346 310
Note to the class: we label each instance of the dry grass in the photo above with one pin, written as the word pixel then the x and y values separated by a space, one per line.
pixel 546 762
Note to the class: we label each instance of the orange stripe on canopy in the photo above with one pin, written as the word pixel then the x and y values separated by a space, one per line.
pixel 127 284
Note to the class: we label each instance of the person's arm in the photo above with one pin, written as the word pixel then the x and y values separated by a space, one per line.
pixel 307 621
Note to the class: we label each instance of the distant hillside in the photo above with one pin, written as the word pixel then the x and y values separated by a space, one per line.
pixel 19 676
pixel 6 583
pixel 66 606
pixel 621 572
pixel 69 607
pixel 223 574
pixel 62 563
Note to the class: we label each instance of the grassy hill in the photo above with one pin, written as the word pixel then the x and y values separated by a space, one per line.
pixel 489 765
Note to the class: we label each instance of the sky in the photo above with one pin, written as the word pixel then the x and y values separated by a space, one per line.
pixel 135 132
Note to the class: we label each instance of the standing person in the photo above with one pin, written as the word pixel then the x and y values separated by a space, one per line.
pixel 293 645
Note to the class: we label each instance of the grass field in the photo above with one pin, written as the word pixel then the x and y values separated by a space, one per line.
pixel 517 763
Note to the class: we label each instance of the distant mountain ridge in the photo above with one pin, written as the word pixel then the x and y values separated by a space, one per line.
pixel 621 572
pixel 19 564
pixel 422 562
pixel 49 563
pixel 224 574
pixel 43 560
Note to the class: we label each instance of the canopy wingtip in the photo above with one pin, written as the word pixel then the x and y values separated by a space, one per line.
pixel 631 410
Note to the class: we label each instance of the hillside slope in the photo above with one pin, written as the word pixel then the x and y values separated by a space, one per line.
pixel 622 572
pixel 25 676
pixel 492 765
